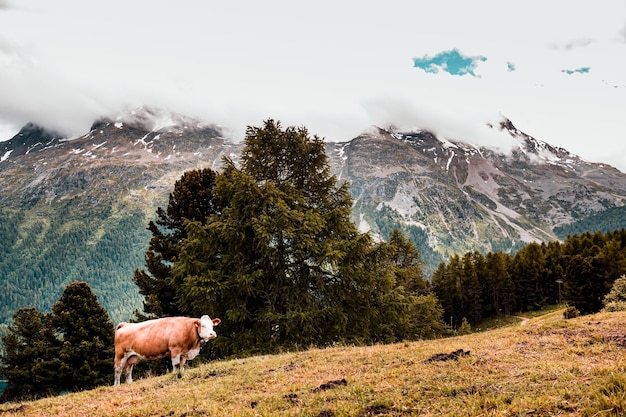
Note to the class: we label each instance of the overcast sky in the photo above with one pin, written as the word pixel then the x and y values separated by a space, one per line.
pixel 556 68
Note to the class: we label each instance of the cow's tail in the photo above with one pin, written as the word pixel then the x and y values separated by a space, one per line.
pixel 119 326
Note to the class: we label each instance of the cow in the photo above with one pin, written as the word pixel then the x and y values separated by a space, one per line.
pixel 179 337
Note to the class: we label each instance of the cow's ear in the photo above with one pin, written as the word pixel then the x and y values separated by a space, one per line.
pixel 216 321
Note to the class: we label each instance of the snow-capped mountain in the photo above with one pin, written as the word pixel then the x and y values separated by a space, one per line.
pixel 458 197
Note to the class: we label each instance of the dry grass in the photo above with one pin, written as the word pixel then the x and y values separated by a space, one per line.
pixel 549 366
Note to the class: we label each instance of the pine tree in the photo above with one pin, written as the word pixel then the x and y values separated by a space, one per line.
pixel 592 263
pixel 408 263
pixel 85 334
pixel 528 270
pixel 268 258
pixel 554 270
pixel 473 271
pixel 447 286
pixel 30 363
pixel 192 199
pixel 610 263
pixel 580 289
pixel 499 287
pixel 418 311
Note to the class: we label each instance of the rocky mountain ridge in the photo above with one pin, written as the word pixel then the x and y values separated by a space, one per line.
pixel 114 156
pixel 77 209
pixel 467 197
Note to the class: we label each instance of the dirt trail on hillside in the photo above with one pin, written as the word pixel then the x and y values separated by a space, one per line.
pixel 523 319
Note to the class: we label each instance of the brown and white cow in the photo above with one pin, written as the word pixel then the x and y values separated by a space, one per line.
pixel 179 337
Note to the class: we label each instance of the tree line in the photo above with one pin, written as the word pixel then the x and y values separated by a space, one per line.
pixel 579 271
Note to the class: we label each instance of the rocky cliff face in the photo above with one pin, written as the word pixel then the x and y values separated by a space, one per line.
pixel 77 208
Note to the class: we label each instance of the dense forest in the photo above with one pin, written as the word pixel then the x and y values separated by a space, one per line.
pixel 613 218
pixel 61 244
pixel 579 271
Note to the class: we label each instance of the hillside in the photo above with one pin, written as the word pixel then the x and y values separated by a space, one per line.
pixel 78 208
pixel 610 219
pixel 543 366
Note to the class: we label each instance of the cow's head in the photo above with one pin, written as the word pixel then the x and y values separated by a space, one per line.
pixel 205 331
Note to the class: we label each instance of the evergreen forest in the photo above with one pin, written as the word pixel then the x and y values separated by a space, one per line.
pixel 47 247
pixel 579 271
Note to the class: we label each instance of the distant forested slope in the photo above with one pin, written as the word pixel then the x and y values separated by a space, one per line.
pixel 46 247
pixel 610 219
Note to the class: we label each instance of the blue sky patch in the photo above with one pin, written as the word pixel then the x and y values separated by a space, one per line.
pixel 452 62
pixel 582 70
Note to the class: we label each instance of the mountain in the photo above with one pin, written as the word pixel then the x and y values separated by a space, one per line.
pixel 77 208
pixel 453 197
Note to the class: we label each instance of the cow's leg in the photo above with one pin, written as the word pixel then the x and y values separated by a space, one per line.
pixel 183 361
pixel 118 365
pixel 176 361
pixel 118 374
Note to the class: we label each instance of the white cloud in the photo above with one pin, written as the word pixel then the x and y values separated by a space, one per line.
pixel 335 67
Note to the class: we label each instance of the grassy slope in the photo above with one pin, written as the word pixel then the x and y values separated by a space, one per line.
pixel 548 366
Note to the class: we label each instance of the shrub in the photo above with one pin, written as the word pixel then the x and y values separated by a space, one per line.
pixel 466 328
pixel 571 312
pixel 615 300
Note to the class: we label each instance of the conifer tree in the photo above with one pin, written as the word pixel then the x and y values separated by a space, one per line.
pixel 473 269
pixel 30 363
pixel 274 250
pixel 69 349
pixel 408 263
pixel 192 199
pixel 579 288
pixel 499 286
pixel 529 271
pixel 554 270
pixel 85 335
pixel 281 263
pixel 447 286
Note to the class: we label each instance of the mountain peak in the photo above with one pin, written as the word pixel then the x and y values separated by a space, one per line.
pixel 30 138
pixel 154 119
pixel 507 124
